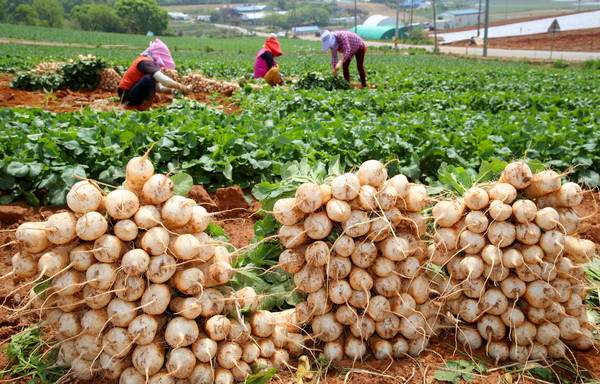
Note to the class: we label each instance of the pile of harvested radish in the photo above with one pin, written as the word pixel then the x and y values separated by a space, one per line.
pixel 355 246
pixel 513 262
pixel 136 290
pixel 130 289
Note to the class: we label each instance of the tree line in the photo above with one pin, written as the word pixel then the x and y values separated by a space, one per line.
pixel 124 16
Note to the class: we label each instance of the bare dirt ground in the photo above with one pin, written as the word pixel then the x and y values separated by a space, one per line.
pixel 65 100
pixel 581 40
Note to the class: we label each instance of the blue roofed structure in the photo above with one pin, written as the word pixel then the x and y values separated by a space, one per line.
pixel 305 30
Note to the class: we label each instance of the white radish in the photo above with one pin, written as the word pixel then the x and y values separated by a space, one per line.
pixel 447 212
pixel 121 204
pixel 569 195
pixel 491 327
pixel 155 299
pixel 120 312
pixel 155 241
pixel 309 197
pixel 148 359
pixel 499 211
pixel 32 237
pixel 108 248
pixel 547 218
pixel 292 236
pixel 126 230
pixel 101 275
pixel 143 329
pixel 317 225
pixel 229 354
pixel 161 268
pixel 502 233
pixel 147 216
pixel 345 187
pixel 543 183
pixel 157 189
pixel 84 196
pixel 91 225
pixel 528 234
pixel 504 192
pixel 217 327
pixel 181 363
pixel 476 221
pixel 524 211
pixel 476 198
pixel 61 227
pixel 518 174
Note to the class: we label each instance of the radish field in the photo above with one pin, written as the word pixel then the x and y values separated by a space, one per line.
pixel 448 211
pixel 423 111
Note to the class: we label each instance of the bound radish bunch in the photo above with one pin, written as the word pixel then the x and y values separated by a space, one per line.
pixel 109 79
pixel 514 264
pixel 199 83
pixel 131 277
pixel 354 245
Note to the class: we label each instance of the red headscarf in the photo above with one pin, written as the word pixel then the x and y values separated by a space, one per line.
pixel 272 45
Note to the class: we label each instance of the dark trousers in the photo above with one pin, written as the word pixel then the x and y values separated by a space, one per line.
pixel 360 65
pixel 142 91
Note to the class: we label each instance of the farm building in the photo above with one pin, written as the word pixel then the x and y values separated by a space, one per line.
pixel 380 20
pixel 461 18
pixel 178 16
pixel 368 32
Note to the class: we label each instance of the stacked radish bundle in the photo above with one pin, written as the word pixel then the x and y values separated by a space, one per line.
pixel 514 265
pixel 109 79
pixel 199 83
pixel 354 245
pixel 172 73
pixel 130 276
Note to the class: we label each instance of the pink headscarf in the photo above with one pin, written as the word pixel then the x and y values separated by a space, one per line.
pixel 159 52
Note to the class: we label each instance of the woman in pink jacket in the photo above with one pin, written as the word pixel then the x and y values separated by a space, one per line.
pixel 350 45
pixel 265 59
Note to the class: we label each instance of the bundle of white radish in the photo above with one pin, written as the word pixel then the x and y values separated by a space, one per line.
pixel 131 288
pixel 514 264
pixel 199 83
pixel 355 246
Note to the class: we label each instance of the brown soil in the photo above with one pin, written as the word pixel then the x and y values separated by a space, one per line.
pixel 66 100
pixel 237 217
pixel 582 40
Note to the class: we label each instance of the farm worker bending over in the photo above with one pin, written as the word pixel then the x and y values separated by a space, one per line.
pixel 144 77
pixel 350 44
pixel 265 64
